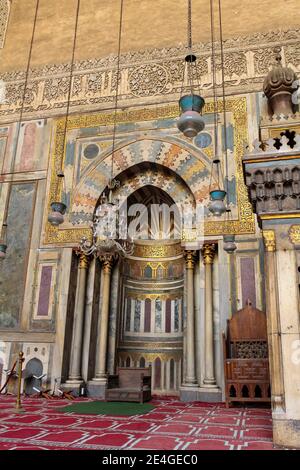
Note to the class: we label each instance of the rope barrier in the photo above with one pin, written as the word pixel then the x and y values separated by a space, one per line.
pixel 9 377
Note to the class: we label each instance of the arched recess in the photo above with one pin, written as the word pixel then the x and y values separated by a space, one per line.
pixel 172 163
pixel 4 17
pixel 34 368
pixel 155 196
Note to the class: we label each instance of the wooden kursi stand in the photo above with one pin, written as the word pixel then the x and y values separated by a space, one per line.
pixel 246 364
pixel 129 384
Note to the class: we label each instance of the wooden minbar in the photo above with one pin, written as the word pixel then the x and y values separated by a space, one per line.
pixel 246 364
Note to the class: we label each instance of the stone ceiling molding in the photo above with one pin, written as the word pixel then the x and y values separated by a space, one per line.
pixel 247 60
pixel 4 18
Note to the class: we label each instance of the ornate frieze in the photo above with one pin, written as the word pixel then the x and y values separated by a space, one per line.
pixel 150 75
pixel 158 251
pixel 175 294
pixel 150 357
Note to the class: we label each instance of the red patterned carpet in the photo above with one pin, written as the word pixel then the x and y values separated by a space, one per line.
pixel 171 425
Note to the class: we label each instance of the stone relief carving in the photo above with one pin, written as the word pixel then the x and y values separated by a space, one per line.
pixel 4 17
pixel 147 74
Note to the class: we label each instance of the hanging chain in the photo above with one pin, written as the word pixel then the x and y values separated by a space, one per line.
pixel 22 108
pixel 117 89
pixel 189 26
pixel 216 161
pixel 60 173
pixel 213 64
pixel 224 102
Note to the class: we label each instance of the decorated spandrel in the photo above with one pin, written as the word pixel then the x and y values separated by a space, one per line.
pixel 105 231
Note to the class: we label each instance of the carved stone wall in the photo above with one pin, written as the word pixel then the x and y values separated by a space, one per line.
pixel 147 76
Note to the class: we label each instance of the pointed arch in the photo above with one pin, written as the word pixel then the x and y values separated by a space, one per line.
pixel 173 163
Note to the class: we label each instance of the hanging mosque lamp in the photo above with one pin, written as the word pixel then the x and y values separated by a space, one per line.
pixel 58 208
pixel 217 192
pixel 191 122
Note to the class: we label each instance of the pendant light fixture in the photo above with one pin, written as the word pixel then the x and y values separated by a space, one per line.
pixel 3 233
pixel 228 238
pixel 58 208
pixel 190 122
pixel 216 187
pixel 106 240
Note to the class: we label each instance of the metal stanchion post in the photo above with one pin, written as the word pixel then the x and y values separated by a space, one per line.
pixel 19 408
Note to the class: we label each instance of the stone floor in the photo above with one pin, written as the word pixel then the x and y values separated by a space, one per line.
pixel 171 425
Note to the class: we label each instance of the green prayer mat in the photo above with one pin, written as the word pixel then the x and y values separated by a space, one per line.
pixel 108 408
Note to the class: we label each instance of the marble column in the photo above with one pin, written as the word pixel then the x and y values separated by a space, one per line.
pixel 101 352
pixel 90 292
pixel 208 253
pixel 273 322
pixel 190 377
pixel 75 375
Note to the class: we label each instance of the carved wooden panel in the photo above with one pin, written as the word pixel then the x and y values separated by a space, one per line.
pixel 246 364
pixel 251 349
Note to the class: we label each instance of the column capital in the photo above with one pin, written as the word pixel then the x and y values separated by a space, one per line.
pixel 107 261
pixel 190 258
pixel 208 253
pixel 83 260
pixel 269 240
pixel 294 234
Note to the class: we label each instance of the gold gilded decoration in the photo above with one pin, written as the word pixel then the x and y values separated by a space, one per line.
pixel 269 240
pixel 150 357
pixel 163 273
pixel 83 261
pixel 294 234
pixel 238 108
pixel 208 253
pixel 160 251
pixel 107 262
pixel 161 296
pixel 190 258
pixel 151 345
pixel 290 215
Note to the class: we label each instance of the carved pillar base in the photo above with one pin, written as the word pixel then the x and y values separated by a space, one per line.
pixel 210 394
pixel 96 388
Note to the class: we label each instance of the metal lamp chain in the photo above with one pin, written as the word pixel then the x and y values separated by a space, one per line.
pixel 189 29
pixel 117 88
pixel 22 106
pixel 224 100
pixel 60 170
pixel 213 53
pixel 213 58
pixel 190 45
